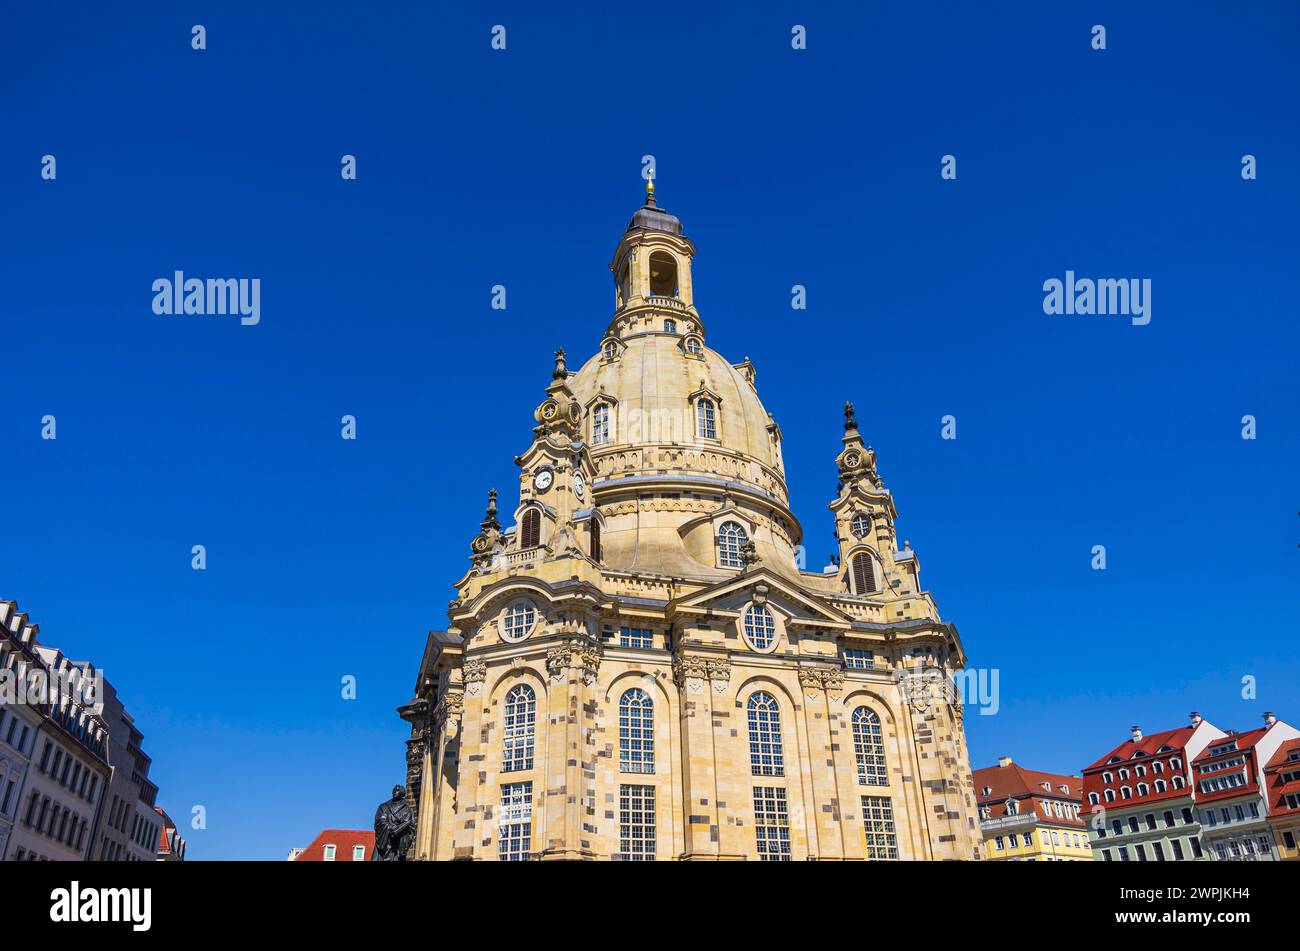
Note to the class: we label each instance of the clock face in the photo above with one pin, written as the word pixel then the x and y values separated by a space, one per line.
pixel 579 485
pixel 542 481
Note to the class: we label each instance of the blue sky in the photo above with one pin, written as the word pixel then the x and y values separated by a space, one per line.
pixel 820 167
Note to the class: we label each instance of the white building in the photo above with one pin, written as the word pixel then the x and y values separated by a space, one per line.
pixel 19 723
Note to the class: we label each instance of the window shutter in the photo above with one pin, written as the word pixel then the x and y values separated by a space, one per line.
pixel 595 540
pixel 864 579
pixel 532 530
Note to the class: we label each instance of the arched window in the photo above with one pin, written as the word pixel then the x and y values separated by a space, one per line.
pixel 731 538
pixel 1143 789
pixel 869 748
pixel 520 721
pixel 1158 767
pixel 636 732
pixel 706 426
pixel 1110 795
pixel 1094 799
pixel 1125 792
pixel 864 574
pixel 595 539
pixel 1177 781
pixel 693 346
pixel 1161 786
pixel 611 350
pixel 760 629
pixel 1107 778
pixel 530 533
pixel 600 424
pixel 765 757
pixel 861 526
pixel 670 326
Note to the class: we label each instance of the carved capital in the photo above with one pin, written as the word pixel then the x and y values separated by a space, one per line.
pixel 719 672
pixel 577 654
pixel 473 673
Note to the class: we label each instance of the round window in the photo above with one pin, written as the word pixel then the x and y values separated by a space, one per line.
pixel 760 628
pixel 861 525
pixel 518 622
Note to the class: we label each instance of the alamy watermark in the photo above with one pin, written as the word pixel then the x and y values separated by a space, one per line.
pixel 195 296
pixel 1102 297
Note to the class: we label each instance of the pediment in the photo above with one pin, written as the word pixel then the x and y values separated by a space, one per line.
pixel 733 593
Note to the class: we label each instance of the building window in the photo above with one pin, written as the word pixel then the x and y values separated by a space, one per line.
pixel 636 732
pixel 693 346
pixel 1094 799
pixel 595 539
pixel 878 824
pixel 358 853
pixel 706 426
pixel 670 326
pixel 771 824
pixel 765 756
pixel 636 823
pixel 611 350
pixel 600 424
pixel 731 538
pixel 864 574
pixel 861 525
pixel 329 853
pixel 520 722
pixel 855 659
pixel 518 622
pixel 634 637
pixel 760 628
pixel 869 748
pixel 516 833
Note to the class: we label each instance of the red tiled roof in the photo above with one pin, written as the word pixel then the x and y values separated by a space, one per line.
pixel 1123 756
pixel 1245 749
pixel 343 840
pixel 1176 739
pixel 1278 790
pixel 1026 787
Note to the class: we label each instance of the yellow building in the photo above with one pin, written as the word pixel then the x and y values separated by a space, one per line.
pixel 639 667
pixel 1031 816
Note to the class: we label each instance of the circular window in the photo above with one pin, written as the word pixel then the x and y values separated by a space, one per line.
pixel 518 622
pixel 760 628
pixel 861 525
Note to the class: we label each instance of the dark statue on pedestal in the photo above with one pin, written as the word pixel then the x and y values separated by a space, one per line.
pixel 394 828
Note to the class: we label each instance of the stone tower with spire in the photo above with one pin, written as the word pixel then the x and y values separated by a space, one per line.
pixel 640 667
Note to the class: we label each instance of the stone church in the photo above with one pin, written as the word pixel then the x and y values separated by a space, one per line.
pixel 638 666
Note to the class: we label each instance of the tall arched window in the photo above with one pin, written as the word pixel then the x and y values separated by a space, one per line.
pixel 765 757
pixel 530 533
pixel 869 748
pixel 600 424
pixel 520 721
pixel 706 426
pixel 636 732
pixel 731 538
pixel 595 539
pixel 864 574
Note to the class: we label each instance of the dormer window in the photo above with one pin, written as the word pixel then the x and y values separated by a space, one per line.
pixel 706 426
pixel 670 326
pixel 600 424
pixel 731 538
pixel 694 347
pixel 610 350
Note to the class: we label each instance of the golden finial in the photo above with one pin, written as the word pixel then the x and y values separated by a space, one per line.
pixel 650 186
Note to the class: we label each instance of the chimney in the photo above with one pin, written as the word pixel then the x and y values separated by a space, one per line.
pixel 1137 734
pixel 1004 761
pixel 1196 718
pixel 1269 719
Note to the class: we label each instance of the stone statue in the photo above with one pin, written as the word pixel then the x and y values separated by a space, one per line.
pixel 394 828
